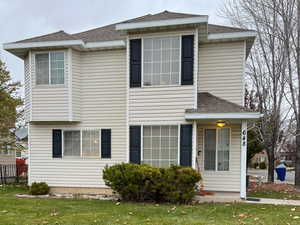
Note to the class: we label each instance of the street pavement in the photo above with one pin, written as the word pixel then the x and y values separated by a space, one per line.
pixel 290 175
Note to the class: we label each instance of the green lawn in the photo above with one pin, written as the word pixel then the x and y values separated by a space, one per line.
pixel 58 211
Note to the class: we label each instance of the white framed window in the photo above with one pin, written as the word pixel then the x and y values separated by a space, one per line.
pixel 91 143
pixel 160 145
pixel 161 61
pixel 72 142
pixel 50 68
pixel 216 149
pixel 81 143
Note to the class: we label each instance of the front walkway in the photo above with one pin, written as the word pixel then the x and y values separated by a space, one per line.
pixel 271 201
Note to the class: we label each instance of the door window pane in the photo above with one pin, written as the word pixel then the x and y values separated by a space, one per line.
pixel 210 149
pixel 223 149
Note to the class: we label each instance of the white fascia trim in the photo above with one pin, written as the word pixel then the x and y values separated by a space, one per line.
pixel 223 115
pixel 159 23
pixel 104 44
pixel 232 35
pixel 8 46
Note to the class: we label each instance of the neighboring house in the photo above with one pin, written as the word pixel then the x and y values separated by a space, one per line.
pixel 7 156
pixel 260 157
pixel 147 90
pixel 22 143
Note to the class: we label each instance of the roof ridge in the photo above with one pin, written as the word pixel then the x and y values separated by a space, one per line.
pixel 113 24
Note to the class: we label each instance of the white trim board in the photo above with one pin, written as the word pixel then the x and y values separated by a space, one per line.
pixel 8 46
pixel 105 44
pixel 159 23
pixel 244 34
pixel 223 115
pixel 102 44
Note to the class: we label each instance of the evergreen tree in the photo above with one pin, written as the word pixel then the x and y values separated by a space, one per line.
pixel 9 101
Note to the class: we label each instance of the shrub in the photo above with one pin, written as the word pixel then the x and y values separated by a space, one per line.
pixel 39 188
pixel 179 184
pixel 145 183
pixel 262 166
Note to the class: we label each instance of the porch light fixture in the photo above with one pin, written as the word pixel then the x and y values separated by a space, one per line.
pixel 221 123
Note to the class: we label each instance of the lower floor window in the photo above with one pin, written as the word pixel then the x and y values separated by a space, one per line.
pixel 216 149
pixel 160 145
pixel 81 143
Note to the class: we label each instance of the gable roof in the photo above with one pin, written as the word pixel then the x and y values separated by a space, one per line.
pixel 208 103
pixel 56 36
pixel 109 32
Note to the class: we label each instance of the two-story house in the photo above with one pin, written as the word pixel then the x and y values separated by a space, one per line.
pixel 159 89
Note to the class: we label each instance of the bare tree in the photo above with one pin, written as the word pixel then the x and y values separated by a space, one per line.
pixel 289 12
pixel 266 68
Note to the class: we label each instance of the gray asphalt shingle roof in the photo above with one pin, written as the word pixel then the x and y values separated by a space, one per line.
pixel 109 33
pixel 208 103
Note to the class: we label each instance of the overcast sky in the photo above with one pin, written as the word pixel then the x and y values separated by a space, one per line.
pixel 20 19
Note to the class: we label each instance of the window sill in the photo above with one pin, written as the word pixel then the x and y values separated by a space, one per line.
pixel 43 86
pixel 216 171
pixel 70 158
pixel 162 86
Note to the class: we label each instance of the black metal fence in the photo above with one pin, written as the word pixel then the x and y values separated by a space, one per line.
pixel 13 173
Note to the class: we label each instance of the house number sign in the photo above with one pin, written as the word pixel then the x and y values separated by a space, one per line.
pixel 244 136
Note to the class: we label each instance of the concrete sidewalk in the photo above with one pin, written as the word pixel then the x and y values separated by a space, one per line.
pixel 271 201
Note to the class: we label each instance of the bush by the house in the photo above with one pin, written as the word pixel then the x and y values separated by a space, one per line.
pixel 135 182
pixel 39 188
pixel 262 166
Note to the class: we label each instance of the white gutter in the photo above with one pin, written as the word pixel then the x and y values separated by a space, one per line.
pixel 159 23
pixel 9 46
pixel 104 44
pixel 232 35
pixel 68 43
pixel 245 115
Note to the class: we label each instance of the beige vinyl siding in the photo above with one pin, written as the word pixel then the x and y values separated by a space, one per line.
pixel 27 89
pixel 159 104
pixel 76 85
pixel 7 159
pixel 222 180
pixel 221 70
pixel 103 105
pixel 49 102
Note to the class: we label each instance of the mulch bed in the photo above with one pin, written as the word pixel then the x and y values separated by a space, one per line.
pixel 287 188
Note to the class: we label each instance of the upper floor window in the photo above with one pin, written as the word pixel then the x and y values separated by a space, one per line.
pixel 50 68
pixel 161 61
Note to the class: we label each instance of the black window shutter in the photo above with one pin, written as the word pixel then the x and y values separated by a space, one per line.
pixel 56 144
pixel 106 143
pixel 186 146
pixel 135 62
pixel 187 59
pixel 135 144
